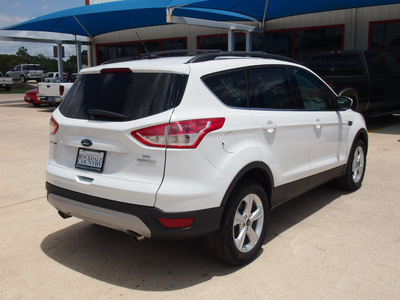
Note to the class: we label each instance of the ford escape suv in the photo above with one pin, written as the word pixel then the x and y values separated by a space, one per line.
pixel 203 145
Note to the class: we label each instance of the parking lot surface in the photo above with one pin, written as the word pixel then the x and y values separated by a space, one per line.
pixel 326 244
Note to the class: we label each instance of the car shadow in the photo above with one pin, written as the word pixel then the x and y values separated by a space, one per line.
pixel 384 125
pixel 296 210
pixel 152 265
pixel 156 265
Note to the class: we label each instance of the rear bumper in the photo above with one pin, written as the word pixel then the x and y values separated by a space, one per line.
pixel 129 217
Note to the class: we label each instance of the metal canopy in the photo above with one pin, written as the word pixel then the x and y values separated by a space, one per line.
pixel 93 20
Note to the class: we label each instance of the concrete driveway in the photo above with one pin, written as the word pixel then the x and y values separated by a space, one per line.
pixel 326 244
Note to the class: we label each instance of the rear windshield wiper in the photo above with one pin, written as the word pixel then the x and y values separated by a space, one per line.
pixel 106 113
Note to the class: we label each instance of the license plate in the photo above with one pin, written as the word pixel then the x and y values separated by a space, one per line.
pixel 92 160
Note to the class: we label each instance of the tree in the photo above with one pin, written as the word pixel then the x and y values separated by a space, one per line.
pixel 22 52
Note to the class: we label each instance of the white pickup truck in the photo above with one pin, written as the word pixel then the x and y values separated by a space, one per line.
pixel 53 92
pixel 5 82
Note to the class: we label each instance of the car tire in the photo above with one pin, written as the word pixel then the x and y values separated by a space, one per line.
pixel 355 168
pixel 242 232
pixel 23 79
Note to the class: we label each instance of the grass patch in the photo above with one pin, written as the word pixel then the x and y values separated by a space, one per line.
pixel 18 88
pixel 14 91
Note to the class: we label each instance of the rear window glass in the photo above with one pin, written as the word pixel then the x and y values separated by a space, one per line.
pixel 33 67
pixel 122 96
pixel 337 65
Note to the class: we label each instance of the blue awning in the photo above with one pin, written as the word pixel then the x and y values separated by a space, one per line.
pixel 102 18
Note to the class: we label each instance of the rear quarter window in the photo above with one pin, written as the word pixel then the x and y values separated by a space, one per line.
pixel 229 87
pixel 134 95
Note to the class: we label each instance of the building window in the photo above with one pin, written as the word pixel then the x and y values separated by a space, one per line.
pixel 174 44
pixel 300 43
pixel 131 49
pixel 220 42
pixel 106 52
pixel 385 37
pixel 127 50
pixel 279 42
pixel 309 41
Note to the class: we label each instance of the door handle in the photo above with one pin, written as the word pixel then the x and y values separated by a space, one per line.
pixel 318 123
pixel 269 126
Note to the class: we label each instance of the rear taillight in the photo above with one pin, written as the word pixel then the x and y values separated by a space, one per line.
pixel 61 90
pixel 53 126
pixel 183 134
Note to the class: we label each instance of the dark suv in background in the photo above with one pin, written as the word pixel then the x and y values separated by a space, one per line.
pixel 371 79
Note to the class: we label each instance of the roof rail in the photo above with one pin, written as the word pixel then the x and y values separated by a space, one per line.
pixel 201 55
pixel 182 52
pixel 151 55
pixel 260 54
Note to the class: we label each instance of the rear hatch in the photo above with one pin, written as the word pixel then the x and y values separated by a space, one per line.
pixel 35 70
pixel 94 151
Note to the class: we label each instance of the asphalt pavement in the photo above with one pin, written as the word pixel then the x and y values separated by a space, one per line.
pixel 326 244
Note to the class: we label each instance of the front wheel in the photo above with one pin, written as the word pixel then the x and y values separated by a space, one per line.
pixel 244 225
pixel 23 80
pixel 355 169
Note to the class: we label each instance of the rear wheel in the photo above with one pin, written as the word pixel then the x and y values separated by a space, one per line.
pixel 22 78
pixel 244 225
pixel 355 169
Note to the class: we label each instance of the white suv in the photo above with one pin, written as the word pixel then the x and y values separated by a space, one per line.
pixel 206 145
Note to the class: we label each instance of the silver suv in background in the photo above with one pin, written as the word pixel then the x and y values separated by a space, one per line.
pixel 24 72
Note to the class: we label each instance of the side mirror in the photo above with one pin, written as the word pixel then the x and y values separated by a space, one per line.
pixel 344 103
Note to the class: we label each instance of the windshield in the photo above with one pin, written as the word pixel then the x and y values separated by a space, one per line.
pixel 129 95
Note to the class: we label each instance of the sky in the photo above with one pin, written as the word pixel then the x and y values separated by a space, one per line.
pixel 16 11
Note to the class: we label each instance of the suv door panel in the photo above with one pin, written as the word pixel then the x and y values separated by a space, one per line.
pixel 279 128
pixel 328 127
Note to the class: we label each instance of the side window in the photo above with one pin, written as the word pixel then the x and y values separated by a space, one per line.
pixel 270 88
pixel 312 92
pixel 377 66
pixel 229 87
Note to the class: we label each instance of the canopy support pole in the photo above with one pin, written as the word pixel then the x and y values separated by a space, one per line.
pixel 83 27
pixel 60 60
pixel 249 41
pixel 78 57
pixel 231 40
pixel 265 14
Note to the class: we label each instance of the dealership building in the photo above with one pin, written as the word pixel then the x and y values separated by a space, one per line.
pixel 291 28
pixel 374 28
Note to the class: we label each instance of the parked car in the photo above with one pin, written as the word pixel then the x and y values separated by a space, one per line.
pixel 31 97
pixel 371 79
pixel 24 72
pixel 205 145
pixel 53 92
pixel 5 82
pixel 50 76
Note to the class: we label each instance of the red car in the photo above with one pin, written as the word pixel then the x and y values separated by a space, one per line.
pixel 32 97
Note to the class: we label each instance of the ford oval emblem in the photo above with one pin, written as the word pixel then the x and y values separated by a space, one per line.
pixel 86 142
